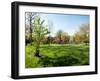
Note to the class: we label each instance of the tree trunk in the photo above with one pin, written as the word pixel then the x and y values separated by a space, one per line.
pixel 31 30
pixel 37 50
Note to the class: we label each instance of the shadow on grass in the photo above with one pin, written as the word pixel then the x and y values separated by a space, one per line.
pixel 65 56
pixel 56 56
pixel 62 61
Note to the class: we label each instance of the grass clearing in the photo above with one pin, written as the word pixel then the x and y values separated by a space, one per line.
pixel 57 55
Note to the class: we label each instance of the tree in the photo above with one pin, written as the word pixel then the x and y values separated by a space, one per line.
pixel 58 36
pixel 78 38
pixel 84 30
pixel 62 37
pixel 82 36
pixel 29 17
pixel 65 38
pixel 50 25
pixel 39 31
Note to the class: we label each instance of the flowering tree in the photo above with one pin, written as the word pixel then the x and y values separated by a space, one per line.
pixel 39 32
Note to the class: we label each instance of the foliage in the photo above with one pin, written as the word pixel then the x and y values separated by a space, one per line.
pixel 82 36
pixel 29 20
pixel 34 24
pixel 61 37
pixel 39 31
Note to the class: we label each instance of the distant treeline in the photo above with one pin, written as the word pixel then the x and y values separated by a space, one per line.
pixel 37 32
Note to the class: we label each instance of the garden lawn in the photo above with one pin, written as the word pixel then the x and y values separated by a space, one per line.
pixel 57 55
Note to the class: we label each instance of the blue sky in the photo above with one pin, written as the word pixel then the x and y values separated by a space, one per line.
pixel 69 23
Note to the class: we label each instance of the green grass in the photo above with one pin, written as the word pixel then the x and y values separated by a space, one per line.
pixel 57 55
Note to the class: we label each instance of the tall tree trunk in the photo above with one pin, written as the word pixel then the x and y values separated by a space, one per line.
pixel 31 30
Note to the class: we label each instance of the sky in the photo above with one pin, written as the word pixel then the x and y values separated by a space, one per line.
pixel 68 23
